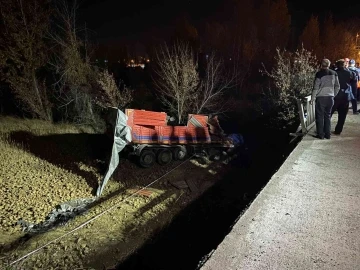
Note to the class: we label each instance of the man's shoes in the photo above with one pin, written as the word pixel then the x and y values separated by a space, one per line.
pixel 336 133
pixel 318 137
pixel 328 137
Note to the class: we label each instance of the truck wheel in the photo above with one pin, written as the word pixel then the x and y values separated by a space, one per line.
pixel 164 157
pixel 179 153
pixel 147 158
pixel 214 154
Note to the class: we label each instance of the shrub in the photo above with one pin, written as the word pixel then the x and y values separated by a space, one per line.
pixel 291 79
pixel 109 95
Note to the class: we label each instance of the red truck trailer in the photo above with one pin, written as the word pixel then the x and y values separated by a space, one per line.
pixel 149 136
pixel 154 140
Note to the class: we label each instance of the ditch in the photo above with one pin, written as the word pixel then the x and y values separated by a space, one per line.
pixel 192 235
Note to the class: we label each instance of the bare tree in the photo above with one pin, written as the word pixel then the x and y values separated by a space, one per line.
pixel 71 63
pixel 23 52
pixel 213 86
pixel 109 94
pixel 178 79
pixel 292 78
pixel 180 87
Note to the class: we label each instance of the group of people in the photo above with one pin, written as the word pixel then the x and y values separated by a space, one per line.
pixel 334 88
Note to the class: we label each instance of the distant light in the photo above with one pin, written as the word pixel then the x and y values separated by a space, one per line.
pixel 105 61
pixel 230 59
pixel 147 60
pixel 132 61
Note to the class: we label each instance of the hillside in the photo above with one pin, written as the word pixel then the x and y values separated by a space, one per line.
pixel 43 165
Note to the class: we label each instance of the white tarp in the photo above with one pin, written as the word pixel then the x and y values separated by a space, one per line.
pixel 122 136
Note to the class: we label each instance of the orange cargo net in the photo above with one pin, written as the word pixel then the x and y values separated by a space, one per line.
pixel 145 118
pixel 151 127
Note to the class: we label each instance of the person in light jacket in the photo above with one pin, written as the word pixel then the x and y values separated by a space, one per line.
pixel 326 87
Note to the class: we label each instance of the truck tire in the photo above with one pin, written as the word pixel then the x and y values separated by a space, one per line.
pixel 147 158
pixel 164 157
pixel 214 154
pixel 179 153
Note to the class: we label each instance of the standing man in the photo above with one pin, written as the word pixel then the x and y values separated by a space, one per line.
pixel 354 85
pixel 357 66
pixel 326 86
pixel 341 100
pixel 346 63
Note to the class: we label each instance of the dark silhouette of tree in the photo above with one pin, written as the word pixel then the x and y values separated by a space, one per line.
pixel 185 31
pixel 216 37
pixel 310 37
pixel 338 39
pixel 23 53
pixel 257 29
pixel 273 27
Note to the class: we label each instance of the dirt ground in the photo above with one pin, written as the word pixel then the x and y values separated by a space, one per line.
pixel 43 165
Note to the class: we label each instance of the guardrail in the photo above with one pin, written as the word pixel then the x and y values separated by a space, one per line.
pixel 307 116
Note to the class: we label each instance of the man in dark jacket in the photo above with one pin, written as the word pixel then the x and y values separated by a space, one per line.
pixel 326 86
pixel 341 104
pixel 354 84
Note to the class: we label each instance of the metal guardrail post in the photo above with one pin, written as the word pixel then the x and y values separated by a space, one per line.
pixel 307 118
pixel 310 114
pixel 302 116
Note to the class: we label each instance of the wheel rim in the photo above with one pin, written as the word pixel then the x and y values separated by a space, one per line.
pixel 148 159
pixel 181 154
pixel 165 157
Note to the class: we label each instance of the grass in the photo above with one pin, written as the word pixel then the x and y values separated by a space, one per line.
pixel 32 185
pixel 39 127
pixel 44 164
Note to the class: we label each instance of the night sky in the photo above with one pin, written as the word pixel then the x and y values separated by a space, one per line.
pixel 133 21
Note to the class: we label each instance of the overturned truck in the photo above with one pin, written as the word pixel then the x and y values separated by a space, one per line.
pixel 151 137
